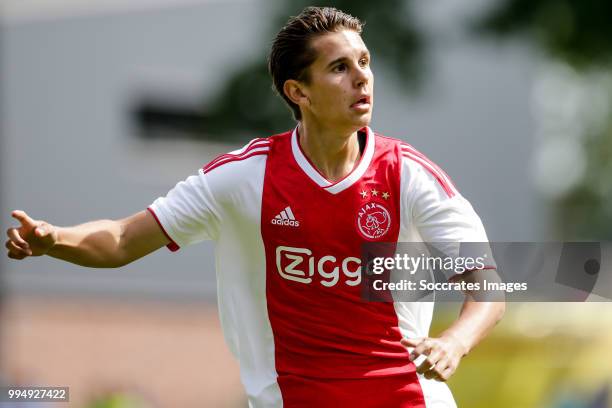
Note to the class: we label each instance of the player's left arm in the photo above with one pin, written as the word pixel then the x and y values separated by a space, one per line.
pixel 441 215
pixel 444 353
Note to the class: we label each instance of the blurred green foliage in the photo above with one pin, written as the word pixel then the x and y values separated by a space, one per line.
pixel 578 33
pixel 585 213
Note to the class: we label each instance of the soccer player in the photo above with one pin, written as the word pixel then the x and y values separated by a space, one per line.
pixel 289 214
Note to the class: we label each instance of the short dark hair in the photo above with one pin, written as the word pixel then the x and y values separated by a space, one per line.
pixel 291 53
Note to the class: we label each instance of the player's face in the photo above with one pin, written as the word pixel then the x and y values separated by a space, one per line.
pixel 340 90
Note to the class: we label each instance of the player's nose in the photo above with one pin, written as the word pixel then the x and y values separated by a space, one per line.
pixel 362 76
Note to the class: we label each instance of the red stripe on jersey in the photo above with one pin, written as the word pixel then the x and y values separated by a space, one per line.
pixel 411 149
pixel 441 179
pixel 226 156
pixel 257 143
pixel 243 156
pixel 408 148
pixel 172 246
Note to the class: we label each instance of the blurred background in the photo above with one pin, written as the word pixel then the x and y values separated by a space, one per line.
pixel 106 104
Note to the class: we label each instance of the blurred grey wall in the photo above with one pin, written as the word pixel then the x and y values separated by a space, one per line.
pixel 69 154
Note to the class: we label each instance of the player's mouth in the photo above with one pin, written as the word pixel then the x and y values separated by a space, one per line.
pixel 362 104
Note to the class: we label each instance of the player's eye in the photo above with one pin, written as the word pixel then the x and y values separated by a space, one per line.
pixel 364 62
pixel 340 68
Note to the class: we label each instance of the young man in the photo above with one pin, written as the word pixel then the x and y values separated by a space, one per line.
pixel 289 214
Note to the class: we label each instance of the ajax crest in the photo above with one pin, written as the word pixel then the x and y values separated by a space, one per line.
pixel 373 221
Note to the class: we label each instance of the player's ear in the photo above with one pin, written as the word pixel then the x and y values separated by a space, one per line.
pixel 294 90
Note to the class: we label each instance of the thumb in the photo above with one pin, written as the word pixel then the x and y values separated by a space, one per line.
pixel 23 218
pixel 411 342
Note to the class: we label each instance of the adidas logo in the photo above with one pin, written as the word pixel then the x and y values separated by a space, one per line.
pixel 286 217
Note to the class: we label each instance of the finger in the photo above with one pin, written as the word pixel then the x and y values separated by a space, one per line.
pixel 435 357
pixel 423 347
pixel 444 369
pixel 411 342
pixel 441 366
pixel 14 256
pixel 431 375
pixel 439 376
pixel 425 366
pixel 447 373
pixel 430 363
pixel 13 234
pixel 22 217
pixel 11 246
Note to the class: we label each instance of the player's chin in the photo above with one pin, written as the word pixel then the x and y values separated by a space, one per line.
pixel 361 120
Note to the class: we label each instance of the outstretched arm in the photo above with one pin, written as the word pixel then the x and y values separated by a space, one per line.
pixel 96 244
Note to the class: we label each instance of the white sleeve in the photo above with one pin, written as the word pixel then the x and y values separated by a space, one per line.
pixel 440 213
pixel 437 210
pixel 189 212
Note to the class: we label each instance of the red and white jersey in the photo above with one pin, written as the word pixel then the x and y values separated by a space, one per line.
pixel 288 247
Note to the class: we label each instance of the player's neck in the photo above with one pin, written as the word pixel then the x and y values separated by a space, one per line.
pixel 333 153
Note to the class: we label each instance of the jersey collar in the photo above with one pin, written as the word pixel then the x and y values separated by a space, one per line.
pixel 348 180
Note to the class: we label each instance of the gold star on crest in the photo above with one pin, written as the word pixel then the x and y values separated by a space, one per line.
pixel 385 195
pixel 374 193
pixel 364 194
